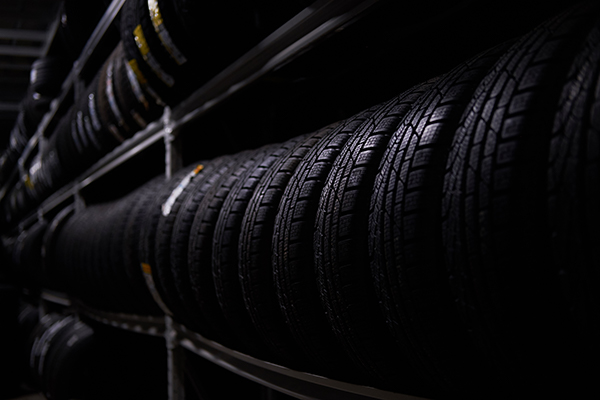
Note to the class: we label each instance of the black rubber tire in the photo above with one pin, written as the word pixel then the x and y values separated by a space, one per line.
pixel 32 347
pixel 341 251
pixel 169 278
pixel 123 96
pixel 498 248
pixel 573 192
pixel 65 148
pixel 28 320
pixel 148 233
pixel 114 233
pixel 183 42
pixel 255 267
pixel 140 106
pixel 8 161
pixel 49 329
pixel 50 251
pixel 406 237
pixel 111 115
pixel 62 257
pixel 195 245
pixel 63 376
pixel 27 255
pixel 60 331
pixel 52 170
pixel 131 243
pixel 146 75
pixel 94 249
pixel 47 75
pixel 166 63
pixel 225 261
pixel 292 248
pixel 87 355
pixel 91 110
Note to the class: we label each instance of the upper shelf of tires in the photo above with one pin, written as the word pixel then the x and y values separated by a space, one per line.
pixel 166 51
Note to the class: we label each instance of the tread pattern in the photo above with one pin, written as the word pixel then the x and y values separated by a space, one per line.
pixel 175 239
pixel 292 248
pixel 255 271
pixel 494 224
pixel 225 255
pixel 201 234
pixel 166 273
pixel 341 249
pixel 405 237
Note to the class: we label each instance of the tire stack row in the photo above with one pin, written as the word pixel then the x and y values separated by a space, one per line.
pixel 163 56
pixel 43 87
pixel 47 74
pixel 440 244
pixel 65 358
pixel 174 46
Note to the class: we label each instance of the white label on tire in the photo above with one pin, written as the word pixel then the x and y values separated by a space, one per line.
pixel 168 205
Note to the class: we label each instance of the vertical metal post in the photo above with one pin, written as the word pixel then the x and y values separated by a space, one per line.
pixel 173 146
pixel 175 362
pixel 78 199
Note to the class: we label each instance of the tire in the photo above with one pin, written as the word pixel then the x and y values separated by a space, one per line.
pixel 87 355
pixel 405 235
pixel 123 95
pixel 225 258
pixel 57 334
pixel 131 243
pixel 47 75
pixel 114 234
pixel 62 375
pixel 572 191
pixel 62 256
pixel 148 233
pixel 184 200
pixel 93 118
pixel 341 251
pixel 146 67
pixel 194 240
pixel 67 151
pixel 103 289
pixel 50 249
pixel 130 94
pixel 255 268
pixel 293 260
pixel 28 320
pixel 32 346
pixel 494 214
pixel 108 108
pixel 49 330
pixel 27 257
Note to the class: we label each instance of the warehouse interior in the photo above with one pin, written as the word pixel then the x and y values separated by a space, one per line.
pixel 357 199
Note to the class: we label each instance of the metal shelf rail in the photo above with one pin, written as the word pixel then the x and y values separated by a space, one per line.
pixel 298 384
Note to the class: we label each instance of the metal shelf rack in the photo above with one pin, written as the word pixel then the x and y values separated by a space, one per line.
pixel 317 22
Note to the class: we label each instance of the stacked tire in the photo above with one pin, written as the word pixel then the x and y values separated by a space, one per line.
pixel 68 358
pixel 163 55
pixel 438 244
pixel 47 75
pixel 170 44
